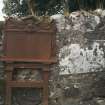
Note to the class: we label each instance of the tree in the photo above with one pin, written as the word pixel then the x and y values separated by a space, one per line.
pixel 49 7
pixel 27 7
pixel 15 8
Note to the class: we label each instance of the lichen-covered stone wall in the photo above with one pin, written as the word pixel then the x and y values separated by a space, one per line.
pixel 79 89
pixel 78 78
pixel 80 51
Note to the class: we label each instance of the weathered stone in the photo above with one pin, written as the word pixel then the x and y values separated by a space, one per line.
pixel 100 101
pixel 72 92
pixel 27 96
pixel 98 87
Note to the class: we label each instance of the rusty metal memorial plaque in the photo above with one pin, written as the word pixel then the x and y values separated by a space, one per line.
pixel 29 48
pixel 26 40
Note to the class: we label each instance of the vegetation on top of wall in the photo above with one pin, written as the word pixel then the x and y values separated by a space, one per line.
pixel 49 7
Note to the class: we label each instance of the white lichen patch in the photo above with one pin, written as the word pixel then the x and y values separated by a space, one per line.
pixel 80 60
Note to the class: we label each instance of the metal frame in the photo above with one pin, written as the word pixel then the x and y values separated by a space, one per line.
pixel 43 84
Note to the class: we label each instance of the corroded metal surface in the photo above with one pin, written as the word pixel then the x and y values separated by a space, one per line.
pixel 24 39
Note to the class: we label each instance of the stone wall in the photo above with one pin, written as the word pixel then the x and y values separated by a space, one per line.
pixel 2 81
pixel 78 78
pixel 79 89
pixel 81 42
